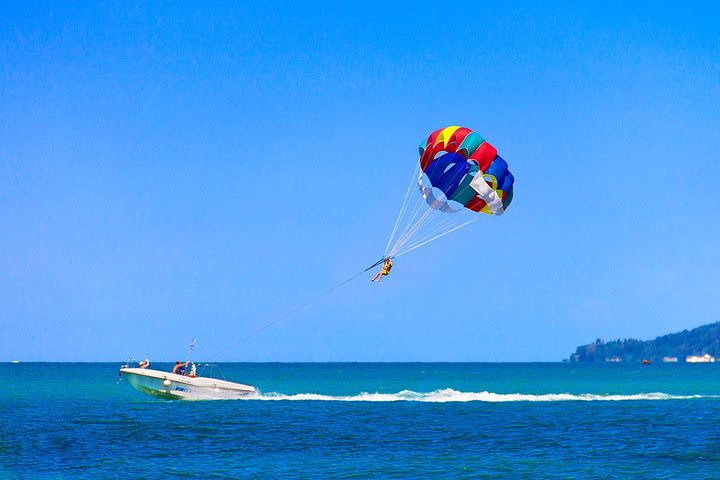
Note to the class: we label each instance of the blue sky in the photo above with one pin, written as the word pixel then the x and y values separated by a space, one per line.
pixel 177 170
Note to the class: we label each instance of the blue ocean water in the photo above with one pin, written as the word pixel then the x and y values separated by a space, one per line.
pixel 359 420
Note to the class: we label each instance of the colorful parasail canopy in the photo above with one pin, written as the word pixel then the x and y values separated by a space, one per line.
pixel 466 170
pixel 458 174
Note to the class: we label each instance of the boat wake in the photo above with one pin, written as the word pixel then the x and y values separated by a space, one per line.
pixel 450 395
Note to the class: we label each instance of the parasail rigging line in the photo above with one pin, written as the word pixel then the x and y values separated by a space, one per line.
pixel 412 219
pixel 421 225
pixel 442 234
pixel 409 221
pixel 448 222
pixel 403 207
pixel 295 310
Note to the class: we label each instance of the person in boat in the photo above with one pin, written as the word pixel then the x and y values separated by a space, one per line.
pixel 180 367
pixel 384 271
pixel 144 363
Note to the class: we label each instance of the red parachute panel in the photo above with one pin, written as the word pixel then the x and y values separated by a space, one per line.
pixel 484 155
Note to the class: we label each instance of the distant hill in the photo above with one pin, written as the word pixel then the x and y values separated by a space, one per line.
pixel 698 341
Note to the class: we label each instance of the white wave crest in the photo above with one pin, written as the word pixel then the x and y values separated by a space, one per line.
pixel 450 395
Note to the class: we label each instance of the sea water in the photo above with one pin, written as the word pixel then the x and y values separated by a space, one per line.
pixel 368 420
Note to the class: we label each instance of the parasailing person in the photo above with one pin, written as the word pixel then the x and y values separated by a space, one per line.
pixel 384 271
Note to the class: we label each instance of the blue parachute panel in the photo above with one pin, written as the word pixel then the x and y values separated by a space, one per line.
pixel 446 172
pixel 498 169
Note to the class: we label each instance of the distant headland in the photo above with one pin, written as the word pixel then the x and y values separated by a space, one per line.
pixel 699 345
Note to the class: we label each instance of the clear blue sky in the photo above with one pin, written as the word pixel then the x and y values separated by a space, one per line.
pixel 181 170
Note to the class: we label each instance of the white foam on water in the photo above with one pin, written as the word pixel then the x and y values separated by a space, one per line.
pixel 450 395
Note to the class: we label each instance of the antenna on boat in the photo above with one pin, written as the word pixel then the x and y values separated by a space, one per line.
pixel 190 347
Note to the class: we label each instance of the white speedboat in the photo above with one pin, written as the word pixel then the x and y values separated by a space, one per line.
pixel 170 386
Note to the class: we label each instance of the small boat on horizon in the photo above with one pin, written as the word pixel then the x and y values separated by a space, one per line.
pixel 706 358
pixel 15 361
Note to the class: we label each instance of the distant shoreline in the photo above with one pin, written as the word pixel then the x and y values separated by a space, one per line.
pixel 688 346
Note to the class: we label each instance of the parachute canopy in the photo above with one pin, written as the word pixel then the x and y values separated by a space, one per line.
pixel 458 175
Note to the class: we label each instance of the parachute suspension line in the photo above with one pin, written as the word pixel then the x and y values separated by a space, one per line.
pixel 445 226
pixel 407 234
pixel 415 226
pixel 425 222
pixel 447 221
pixel 409 221
pixel 403 207
pixel 412 228
pixel 293 311
pixel 412 219
pixel 413 247
pixel 413 222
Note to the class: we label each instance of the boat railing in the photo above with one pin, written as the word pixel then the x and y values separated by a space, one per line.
pixel 212 368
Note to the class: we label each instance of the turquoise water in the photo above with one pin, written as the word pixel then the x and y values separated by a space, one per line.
pixel 357 420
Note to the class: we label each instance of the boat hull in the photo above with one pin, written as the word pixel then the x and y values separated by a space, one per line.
pixel 169 386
